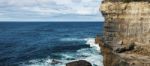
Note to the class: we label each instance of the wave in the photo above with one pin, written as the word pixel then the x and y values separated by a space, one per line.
pixel 91 42
pixel 83 54
pixel 42 62
pixel 91 55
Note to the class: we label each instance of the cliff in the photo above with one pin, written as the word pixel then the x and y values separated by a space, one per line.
pixel 126 40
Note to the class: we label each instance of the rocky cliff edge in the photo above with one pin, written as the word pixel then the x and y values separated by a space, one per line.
pixel 126 39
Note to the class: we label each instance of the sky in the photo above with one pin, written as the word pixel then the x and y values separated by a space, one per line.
pixel 50 10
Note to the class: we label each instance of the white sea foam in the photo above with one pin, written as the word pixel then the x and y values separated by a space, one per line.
pixel 95 58
pixel 91 55
pixel 91 42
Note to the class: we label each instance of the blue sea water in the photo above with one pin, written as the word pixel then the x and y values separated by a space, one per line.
pixel 40 44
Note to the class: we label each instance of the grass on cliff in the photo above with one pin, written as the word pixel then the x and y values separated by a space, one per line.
pixel 129 0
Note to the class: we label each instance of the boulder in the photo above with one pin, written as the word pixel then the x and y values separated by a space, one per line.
pixel 55 62
pixel 79 63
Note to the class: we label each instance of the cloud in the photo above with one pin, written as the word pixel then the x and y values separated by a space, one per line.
pixel 49 8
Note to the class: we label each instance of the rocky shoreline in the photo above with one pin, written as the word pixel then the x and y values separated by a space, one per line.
pixel 126 37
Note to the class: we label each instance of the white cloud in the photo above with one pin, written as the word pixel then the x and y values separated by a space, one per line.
pixel 41 11
pixel 63 2
pixel 50 7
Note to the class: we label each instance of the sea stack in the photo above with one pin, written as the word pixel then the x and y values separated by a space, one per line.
pixel 126 40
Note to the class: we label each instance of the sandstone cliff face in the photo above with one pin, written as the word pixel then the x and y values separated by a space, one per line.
pixel 126 40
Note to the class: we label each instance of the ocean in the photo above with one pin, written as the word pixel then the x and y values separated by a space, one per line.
pixel 42 43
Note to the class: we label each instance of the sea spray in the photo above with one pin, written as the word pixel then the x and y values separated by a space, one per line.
pixel 91 42
pixel 91 54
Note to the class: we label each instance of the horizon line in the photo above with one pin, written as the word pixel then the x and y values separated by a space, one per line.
pixel 51 21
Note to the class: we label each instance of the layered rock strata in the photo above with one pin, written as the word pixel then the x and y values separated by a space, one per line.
pixel 126 40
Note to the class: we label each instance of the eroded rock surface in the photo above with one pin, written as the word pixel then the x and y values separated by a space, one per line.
pixel 126 40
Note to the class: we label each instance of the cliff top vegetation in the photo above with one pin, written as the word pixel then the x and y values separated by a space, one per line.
pixel 128 0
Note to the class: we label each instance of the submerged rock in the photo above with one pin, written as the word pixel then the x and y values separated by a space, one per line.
pixel 55 62
pixel 79 63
